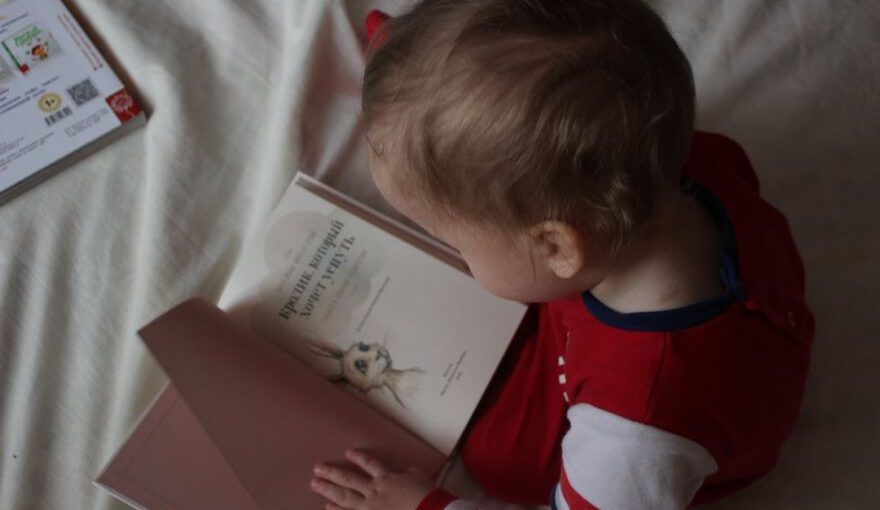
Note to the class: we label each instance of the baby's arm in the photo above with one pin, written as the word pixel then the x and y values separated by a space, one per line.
pixel 612 462
pixel 608 462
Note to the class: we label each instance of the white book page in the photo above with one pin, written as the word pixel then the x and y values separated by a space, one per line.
pixel 414 337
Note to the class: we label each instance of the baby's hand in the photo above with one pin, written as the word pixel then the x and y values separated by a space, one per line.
pixel 373 488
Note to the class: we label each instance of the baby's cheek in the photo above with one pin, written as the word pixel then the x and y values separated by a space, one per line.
pixel 501 287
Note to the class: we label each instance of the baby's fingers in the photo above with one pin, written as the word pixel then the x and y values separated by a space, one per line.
pixel 344 478
pixel 371 465
pixel 340 496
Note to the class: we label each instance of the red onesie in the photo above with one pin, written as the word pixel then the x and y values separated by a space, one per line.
pixel 599 409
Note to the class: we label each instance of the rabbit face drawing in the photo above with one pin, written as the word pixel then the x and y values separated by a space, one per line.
pixel 365 367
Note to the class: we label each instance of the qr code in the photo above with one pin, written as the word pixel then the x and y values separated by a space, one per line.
pixel 83 92
pixel 55 117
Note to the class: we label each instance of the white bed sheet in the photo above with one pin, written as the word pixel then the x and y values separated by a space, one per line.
pixel 242 94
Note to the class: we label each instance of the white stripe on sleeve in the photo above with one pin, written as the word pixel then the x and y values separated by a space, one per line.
pixel 618 464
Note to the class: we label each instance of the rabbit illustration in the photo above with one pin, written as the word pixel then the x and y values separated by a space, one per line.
pixel 365 367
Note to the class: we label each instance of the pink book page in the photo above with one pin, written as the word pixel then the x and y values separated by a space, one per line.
pixel 270 416
pixel 170 463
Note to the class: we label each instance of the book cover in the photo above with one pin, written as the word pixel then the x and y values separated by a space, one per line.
pixel 57 90
pixel 169 462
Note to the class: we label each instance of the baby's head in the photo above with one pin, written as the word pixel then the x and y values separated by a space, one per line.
pixel 535 136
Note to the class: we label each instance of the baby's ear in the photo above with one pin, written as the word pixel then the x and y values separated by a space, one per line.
pixel 560 247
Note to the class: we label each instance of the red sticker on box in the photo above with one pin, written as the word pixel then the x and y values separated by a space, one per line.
pixel 123 105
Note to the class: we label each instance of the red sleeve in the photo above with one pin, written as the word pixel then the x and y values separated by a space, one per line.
pixel 437 499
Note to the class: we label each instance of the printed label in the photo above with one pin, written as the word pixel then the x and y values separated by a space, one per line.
pixel 30 47
pixel 123 105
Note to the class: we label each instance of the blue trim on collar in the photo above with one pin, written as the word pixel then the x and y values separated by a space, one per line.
pixel 691 315
pixel 553 497
pixel 665 320
pixel 729 262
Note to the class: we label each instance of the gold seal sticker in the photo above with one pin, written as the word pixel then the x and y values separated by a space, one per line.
pixel 49 102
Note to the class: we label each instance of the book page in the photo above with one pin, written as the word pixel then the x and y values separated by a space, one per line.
pixel 270 417
pixel 415 338
pixel 57 93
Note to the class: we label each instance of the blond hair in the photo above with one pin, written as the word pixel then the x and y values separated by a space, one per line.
pixel 518 111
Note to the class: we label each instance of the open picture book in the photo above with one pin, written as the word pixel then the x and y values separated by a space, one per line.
pixel 339 328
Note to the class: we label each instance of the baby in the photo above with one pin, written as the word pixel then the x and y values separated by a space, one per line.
pixel 551 142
